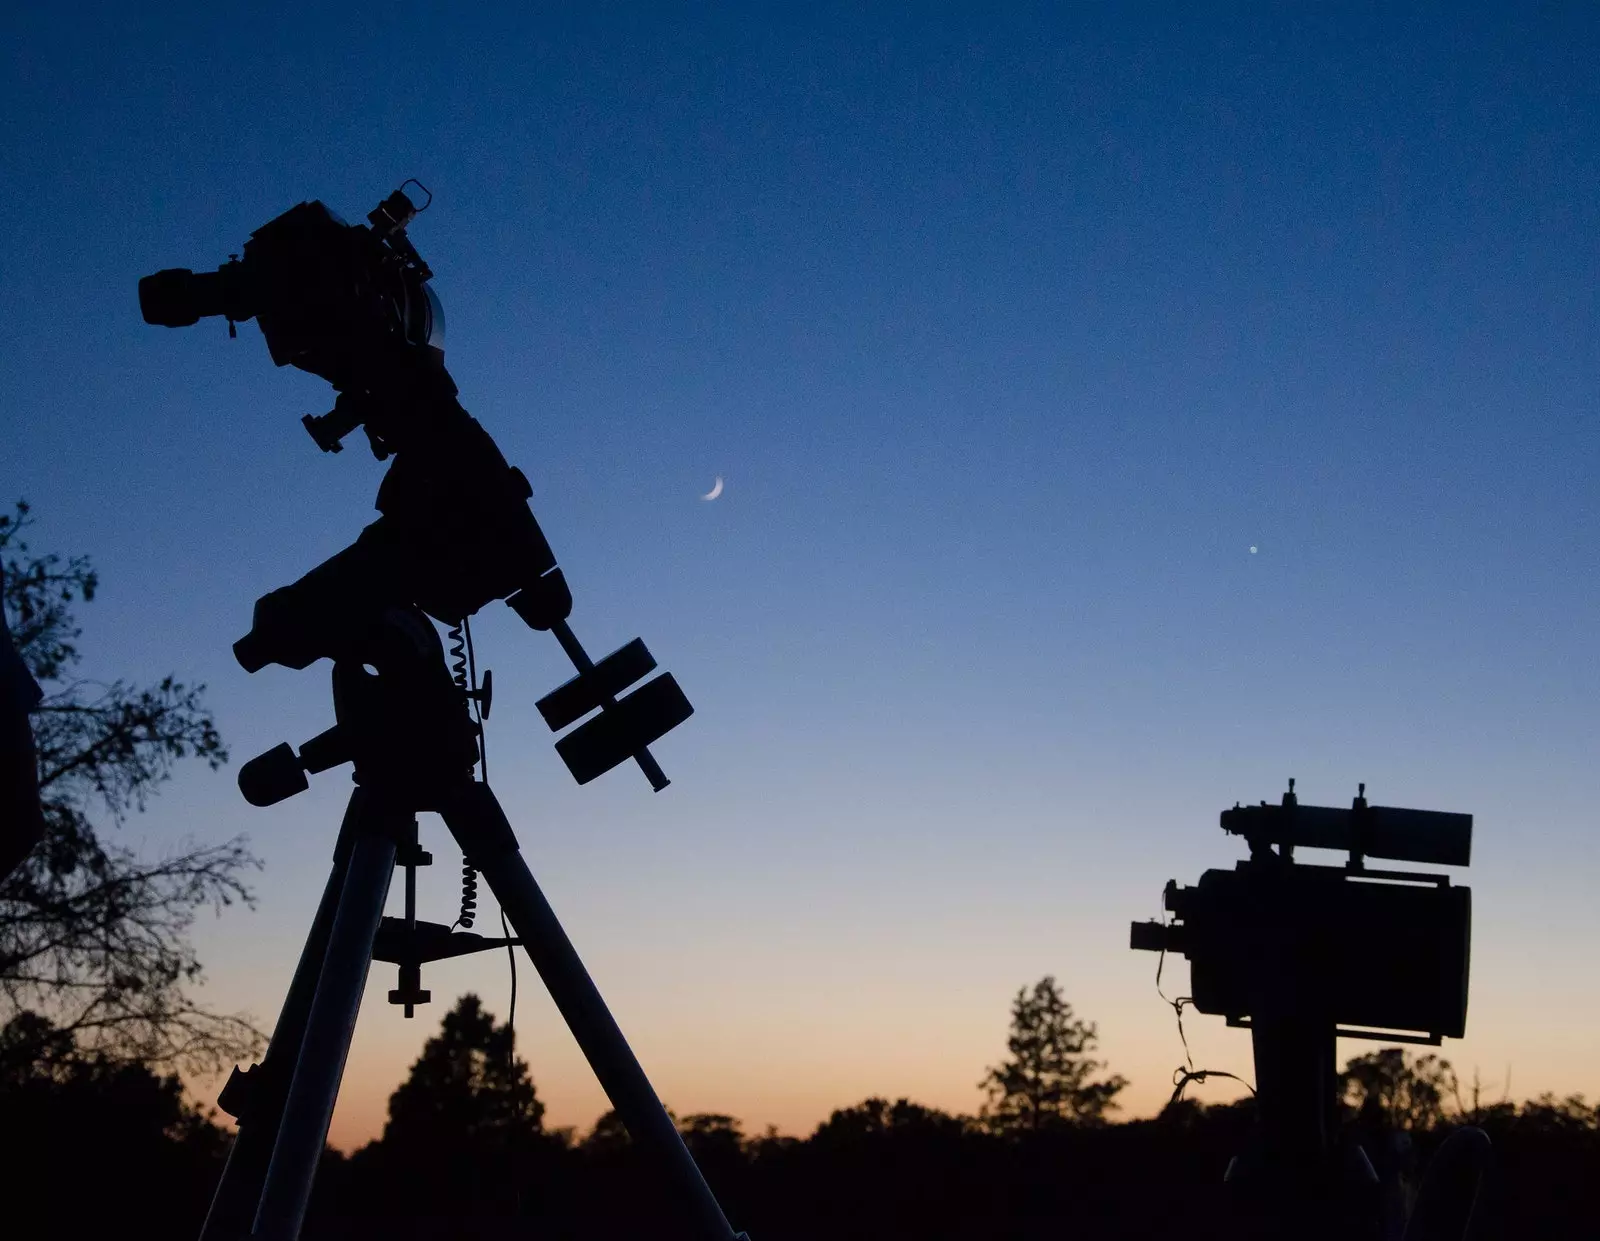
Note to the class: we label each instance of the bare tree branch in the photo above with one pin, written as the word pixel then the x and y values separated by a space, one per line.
pixel 92 937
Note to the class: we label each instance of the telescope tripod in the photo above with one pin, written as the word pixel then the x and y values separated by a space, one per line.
pixel 404 724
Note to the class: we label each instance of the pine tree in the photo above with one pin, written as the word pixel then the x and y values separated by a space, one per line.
pixel 467 1088
pixel 1047 1080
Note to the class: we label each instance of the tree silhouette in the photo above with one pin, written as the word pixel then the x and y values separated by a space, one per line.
pixel 79 1120
pixel 608 1134
pixel 876 1118
pixel 1393 1088
pixel 717 1143
pixel 465 1127
pixel 712 1136
pixel 467 1088
pixel 1047 1080
pixel 92 937
pixel 1548 1115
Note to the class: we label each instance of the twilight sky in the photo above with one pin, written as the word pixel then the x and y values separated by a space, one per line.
pixel 1012 328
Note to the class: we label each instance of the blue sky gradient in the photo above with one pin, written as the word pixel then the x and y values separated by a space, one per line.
pixel 1011 329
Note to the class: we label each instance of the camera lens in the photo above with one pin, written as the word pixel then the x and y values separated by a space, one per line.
pixel 178 298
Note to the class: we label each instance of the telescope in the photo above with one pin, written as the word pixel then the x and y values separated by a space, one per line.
pixel 1303 954
pixel 1388 950
pixel 353 305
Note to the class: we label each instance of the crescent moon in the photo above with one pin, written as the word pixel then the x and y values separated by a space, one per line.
pixel 716 490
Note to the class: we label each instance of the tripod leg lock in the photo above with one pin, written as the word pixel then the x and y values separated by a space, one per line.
pixel 240 1091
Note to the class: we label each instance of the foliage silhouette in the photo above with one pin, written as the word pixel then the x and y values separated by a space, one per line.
pixel 1398 1089
pixel 874 1169
pixel 91 936
pixel 1048 1079
pixel 712 1137
pixel 608 1134
pixel 877 1118
pixel 467 1088
pixel 465 1127
pixel 96 1143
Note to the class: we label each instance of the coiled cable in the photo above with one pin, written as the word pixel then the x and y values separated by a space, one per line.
pixel 464 671
pixel 464 675
pixel 458 656
pixel 469 895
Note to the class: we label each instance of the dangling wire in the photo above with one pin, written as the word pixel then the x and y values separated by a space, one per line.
pixel 1182 1077
pixel 1177 1004
pixel 477 704
pixel 1185 1072
pixel 511 1021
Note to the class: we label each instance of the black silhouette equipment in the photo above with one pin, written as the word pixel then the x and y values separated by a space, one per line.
pixel 352 304
pixel 1303 954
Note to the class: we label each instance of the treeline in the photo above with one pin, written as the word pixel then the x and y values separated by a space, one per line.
pixel 465 1147
pixel 106 1144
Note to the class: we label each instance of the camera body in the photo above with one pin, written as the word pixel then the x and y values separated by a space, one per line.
pixel 337 300
pixel 1384 949
pixel 353 305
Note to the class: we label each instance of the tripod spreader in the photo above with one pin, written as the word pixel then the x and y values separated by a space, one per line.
pixel 411 945
pixel 422 942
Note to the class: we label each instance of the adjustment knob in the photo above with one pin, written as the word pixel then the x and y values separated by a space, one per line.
pixel 269 778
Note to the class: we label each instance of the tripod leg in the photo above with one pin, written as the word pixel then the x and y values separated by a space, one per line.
pixel 233 1206
pixel 480 828
pixel 330 1024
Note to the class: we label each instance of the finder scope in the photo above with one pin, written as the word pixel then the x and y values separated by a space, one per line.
pixel 1433 837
